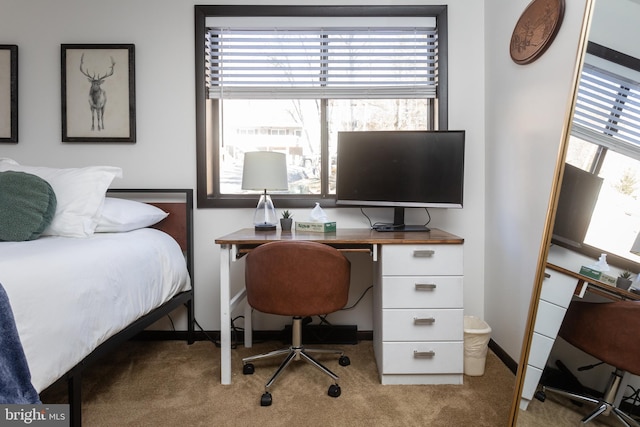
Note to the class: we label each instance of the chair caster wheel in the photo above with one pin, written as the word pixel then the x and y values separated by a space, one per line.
pixel 540 395
pixel 248 369
pixel 344 361
pixel 266 399
pixel 334 390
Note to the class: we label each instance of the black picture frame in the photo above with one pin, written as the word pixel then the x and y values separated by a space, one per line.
pixel 98 93
pixel 8 93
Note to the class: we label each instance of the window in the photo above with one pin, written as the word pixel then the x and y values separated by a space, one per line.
pixel 289 78
pixel 605 140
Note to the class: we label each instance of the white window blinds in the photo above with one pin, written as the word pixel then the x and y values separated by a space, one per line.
pixel 608 111
pixel 339 63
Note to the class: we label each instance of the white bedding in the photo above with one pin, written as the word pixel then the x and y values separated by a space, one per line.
pixel 69 295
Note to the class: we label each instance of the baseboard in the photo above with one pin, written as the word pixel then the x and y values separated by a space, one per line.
pixel 324 334
pixel 503 356
pixel 237 336
pixel 152 335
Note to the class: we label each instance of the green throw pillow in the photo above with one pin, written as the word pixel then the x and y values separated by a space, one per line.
pixel 27 206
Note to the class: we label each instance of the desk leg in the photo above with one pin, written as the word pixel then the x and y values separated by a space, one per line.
pixel 225 314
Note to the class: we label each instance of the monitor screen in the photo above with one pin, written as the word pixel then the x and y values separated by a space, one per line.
pixel 401 169
pixel 578 196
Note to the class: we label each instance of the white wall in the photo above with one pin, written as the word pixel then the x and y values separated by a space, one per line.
pixel 525 112
pixel 164 155
pixel 615 25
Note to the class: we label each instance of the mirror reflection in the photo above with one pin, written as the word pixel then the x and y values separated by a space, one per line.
pixel 584 340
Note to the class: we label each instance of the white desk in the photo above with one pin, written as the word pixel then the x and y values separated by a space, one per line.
pixel 558 288
pixel 418 308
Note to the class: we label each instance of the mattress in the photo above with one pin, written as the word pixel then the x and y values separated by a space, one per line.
pixel 69 295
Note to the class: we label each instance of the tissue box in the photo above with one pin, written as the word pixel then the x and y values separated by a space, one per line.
pixel 590 272
pixel 316 227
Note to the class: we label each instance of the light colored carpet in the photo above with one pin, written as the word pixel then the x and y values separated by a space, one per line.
pixel 170 383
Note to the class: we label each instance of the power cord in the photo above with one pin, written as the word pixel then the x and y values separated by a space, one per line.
pixel 215 342
pixel 351 307
pixel 326 332
pixel 323 320
pixel 236 332
pixel 388 224
pixel 633 401
pixel 173 326
pixel 428 216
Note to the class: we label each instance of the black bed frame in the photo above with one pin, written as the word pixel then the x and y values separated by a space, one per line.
pixel 73 377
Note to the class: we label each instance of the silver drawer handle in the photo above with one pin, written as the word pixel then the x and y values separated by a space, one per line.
pixel 424 253
pixel 424 321
pixel 425 286
pixel 423 354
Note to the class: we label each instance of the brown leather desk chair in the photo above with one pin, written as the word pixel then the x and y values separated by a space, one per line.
pixel 608 332
pixel 296 279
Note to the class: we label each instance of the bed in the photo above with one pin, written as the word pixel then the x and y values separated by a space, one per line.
pixel 76 299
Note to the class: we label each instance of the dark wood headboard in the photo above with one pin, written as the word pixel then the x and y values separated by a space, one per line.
pixel 178 224
pixel 175 224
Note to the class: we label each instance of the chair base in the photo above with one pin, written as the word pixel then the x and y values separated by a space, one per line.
pixel 604 406
pixel 295 352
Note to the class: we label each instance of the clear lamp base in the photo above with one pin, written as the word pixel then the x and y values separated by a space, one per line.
pixel 265 218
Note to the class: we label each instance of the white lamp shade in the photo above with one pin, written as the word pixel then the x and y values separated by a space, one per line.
pixel 636 246
pixel 264 170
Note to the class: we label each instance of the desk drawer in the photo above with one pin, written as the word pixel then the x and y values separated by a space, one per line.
pixel 549 319
pixel 558 288
pixel 410 260
pixel 540 350
pixel 422 292
pixel 422 324
pixel 423 358
pixel 531 380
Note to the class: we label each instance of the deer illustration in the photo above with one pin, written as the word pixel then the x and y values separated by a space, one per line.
pixel 97 95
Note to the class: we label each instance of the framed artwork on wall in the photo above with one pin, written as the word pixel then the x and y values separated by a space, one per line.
pixel 98 93
pixel 8 93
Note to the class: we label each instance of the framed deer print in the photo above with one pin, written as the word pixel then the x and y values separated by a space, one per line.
pixel 98 93
pixel 8 93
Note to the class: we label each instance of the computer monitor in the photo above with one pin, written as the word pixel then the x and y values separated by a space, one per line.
pixel 401 169
pixel 578 197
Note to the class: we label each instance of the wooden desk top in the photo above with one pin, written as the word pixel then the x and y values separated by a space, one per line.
pixel 597 286
pixel 343 236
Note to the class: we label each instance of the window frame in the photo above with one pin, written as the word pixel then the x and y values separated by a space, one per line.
pixel 585 249
pixel 207 154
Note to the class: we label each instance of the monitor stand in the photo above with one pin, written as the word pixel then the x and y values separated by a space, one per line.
pixel 398 223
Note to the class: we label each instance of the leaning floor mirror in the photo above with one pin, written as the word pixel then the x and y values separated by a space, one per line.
pixel 580 338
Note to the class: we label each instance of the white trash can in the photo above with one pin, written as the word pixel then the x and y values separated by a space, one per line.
pixel 476 340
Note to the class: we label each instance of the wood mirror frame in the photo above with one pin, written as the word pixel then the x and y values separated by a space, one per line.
pixel 593 33
pixel 550 216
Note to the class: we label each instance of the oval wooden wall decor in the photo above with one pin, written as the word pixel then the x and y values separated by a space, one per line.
pixel 535 30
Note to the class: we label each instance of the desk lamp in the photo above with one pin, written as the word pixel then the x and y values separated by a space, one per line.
pixel 265 170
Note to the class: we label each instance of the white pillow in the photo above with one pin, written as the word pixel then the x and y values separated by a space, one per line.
pixel 119 215
pixel 80 193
